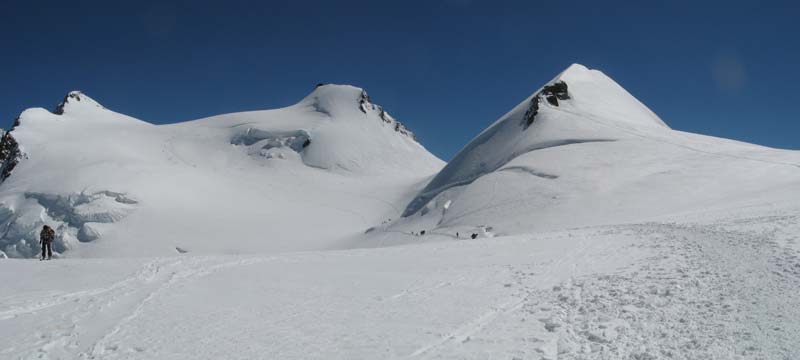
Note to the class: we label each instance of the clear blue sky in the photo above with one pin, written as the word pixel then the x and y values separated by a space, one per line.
pixel 445 68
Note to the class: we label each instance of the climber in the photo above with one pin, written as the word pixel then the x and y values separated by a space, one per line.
pixel 46 238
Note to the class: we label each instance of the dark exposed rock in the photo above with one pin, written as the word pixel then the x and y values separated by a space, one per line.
pixel 399 127
pixel 364 102
pixel 10 155
pixel 306 143
pixel 60 107
pixel 384 116
pixel 559 89
pixel 556 91
pixel 532 111
pixel 74 97
pixel 552 93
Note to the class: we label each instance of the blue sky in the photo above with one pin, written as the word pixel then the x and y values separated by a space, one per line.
pixel 445 68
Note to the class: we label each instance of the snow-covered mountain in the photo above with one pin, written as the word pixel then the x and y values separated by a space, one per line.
pixel 612 235
pixel 297 178
pixel 582 151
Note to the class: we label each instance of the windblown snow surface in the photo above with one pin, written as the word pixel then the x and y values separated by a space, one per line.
pixel 587 229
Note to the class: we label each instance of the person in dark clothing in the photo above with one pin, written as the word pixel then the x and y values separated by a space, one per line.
pixel 46 238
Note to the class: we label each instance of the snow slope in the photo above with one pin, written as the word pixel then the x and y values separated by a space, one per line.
pixel 297 178
pixel 592 154
pixel 679 288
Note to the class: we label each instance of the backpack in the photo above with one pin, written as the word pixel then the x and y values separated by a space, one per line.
pixel 48 235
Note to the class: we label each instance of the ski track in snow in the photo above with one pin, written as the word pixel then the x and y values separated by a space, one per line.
pixel 691 297
pixel 464 332
pixel 68 334
pixel 696 298
pixel 706 292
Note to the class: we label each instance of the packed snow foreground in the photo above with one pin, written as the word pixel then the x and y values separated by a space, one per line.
pixel 577 226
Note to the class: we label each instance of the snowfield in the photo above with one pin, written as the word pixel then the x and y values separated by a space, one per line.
pixel 705 287
pixel 577 226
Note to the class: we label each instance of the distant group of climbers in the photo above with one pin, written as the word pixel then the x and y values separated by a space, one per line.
pixel 422 232
pixel 46 238
pixel 473 236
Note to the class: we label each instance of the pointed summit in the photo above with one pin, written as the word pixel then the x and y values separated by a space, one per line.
pixel 578 106
pixel 347 101
pixel 598 94
pixel 573 72
pixel 76 99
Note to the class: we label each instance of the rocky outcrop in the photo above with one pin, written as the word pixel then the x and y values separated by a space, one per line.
pixel 10 154
pixel 552 94
pixel 399 127
pixel 365 104
pixel 59 110
pixel 530 115
pixel 556 91
pixel 74 97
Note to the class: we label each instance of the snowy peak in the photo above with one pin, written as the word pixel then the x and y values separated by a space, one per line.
pixel 76 100
pixel 78 109
pixel 347 101
pixel 578 106
pixel 597 94
pixel 314 173
pixel 334 100
pixel 582 151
